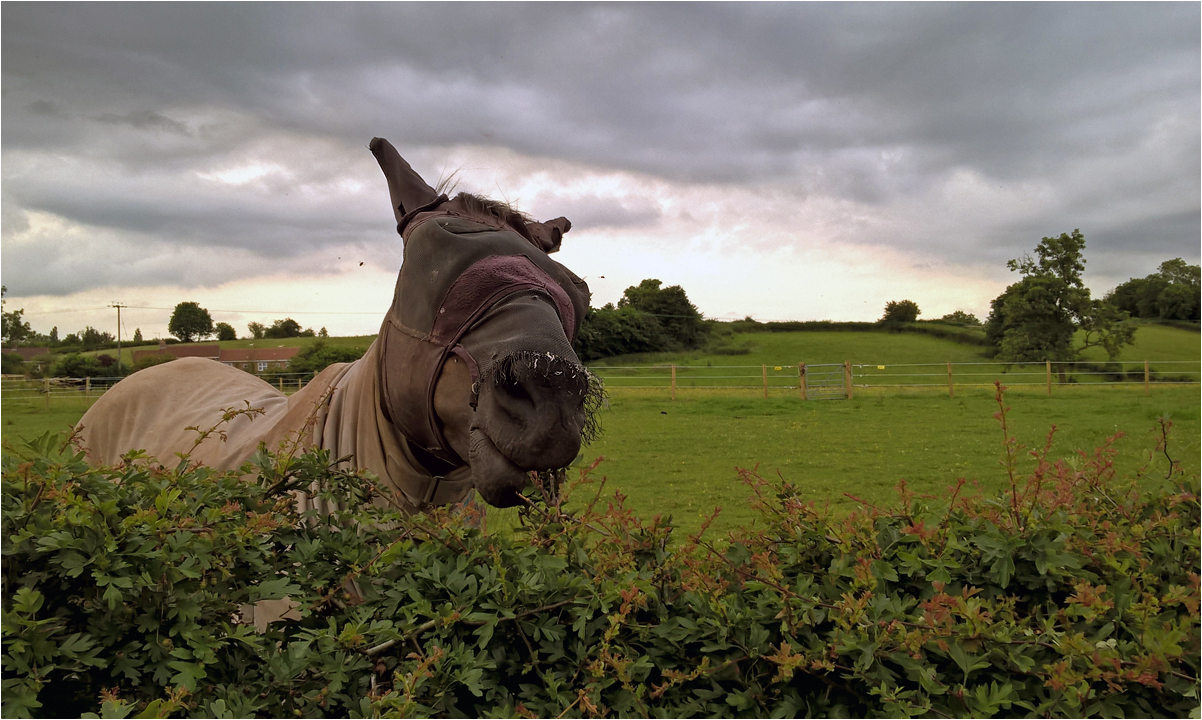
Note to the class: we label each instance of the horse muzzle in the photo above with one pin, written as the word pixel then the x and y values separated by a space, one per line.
pixel 532 414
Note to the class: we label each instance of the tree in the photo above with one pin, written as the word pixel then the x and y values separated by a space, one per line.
pixel 900 311
pixel 1179 272
pixel 1034 320
pixel 225 331
pixel 1177 302
pixel 256 330
pixel 1174 292
pixel 137 335
pixel 190 322
pixel 286 328
pixel 681 321
pixel 15 330
pixel 91 337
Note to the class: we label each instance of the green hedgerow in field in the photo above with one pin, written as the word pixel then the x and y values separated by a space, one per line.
pixel 1073 593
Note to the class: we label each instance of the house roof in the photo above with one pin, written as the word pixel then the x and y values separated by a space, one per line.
pixel 28 353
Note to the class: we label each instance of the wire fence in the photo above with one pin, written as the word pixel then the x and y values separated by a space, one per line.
pixel 829 380
pixel 18 390
pixel 811 381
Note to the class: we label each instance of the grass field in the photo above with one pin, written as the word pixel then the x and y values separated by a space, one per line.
pixel 679 457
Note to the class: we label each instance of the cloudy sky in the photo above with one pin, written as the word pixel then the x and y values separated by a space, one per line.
pixel 783 161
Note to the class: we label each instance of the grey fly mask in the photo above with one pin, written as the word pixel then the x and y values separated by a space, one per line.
pixel 477 283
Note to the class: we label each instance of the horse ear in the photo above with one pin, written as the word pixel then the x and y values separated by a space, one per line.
pixel 405 187
pixel 548 235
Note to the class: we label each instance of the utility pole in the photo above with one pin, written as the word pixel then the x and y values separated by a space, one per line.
pixel 118 306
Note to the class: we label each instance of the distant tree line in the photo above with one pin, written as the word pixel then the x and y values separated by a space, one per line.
pixel 189 322
pixel 285 328
pixel 192 322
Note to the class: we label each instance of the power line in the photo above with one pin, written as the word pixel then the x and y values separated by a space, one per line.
pixel 245 312
pixel 274 312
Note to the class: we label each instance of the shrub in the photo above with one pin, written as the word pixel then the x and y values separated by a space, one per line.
pixel 960 317
pixel 320 355
pixel 13 364
pixel 1073 593
pixel 150 361
pixel 609 331
pixel 78 365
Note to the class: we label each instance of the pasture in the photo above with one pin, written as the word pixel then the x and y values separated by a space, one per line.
pixel 679 458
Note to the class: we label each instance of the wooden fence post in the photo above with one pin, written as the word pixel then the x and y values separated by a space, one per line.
pixel 673 382
pixel 801 379
pixel 1049 365
pixel 46 390
pixel 1147 379
pixel 847 378
pixel 765 369
pixel 87 390
pixel 951 388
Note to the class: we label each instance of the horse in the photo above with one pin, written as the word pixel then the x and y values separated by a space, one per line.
pixel 470 385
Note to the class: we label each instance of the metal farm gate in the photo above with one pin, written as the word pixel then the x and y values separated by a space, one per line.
pixel 825 382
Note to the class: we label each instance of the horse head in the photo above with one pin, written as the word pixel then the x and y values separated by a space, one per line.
pixel 477 363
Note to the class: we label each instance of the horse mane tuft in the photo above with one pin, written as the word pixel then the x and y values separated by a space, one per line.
pixel 502 211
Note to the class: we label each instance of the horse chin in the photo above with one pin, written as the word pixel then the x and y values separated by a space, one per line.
pixel 498 480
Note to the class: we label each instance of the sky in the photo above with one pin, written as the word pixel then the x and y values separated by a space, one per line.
pixel 781 161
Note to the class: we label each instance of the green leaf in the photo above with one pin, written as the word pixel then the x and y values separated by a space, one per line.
pixel 967 662
pixel 187 674
pixel 28 601
pixel 884 571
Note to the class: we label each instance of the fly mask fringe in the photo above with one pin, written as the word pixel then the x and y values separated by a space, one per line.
pixel 577 380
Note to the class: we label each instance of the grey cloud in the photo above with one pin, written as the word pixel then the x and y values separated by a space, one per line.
pixel 870 103
pixel 145 120
pixel 684 91
pixel 45 107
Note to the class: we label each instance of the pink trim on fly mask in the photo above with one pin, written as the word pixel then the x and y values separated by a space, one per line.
pixel 488 281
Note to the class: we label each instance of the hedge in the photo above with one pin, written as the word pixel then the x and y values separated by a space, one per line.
pixel 1075 592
